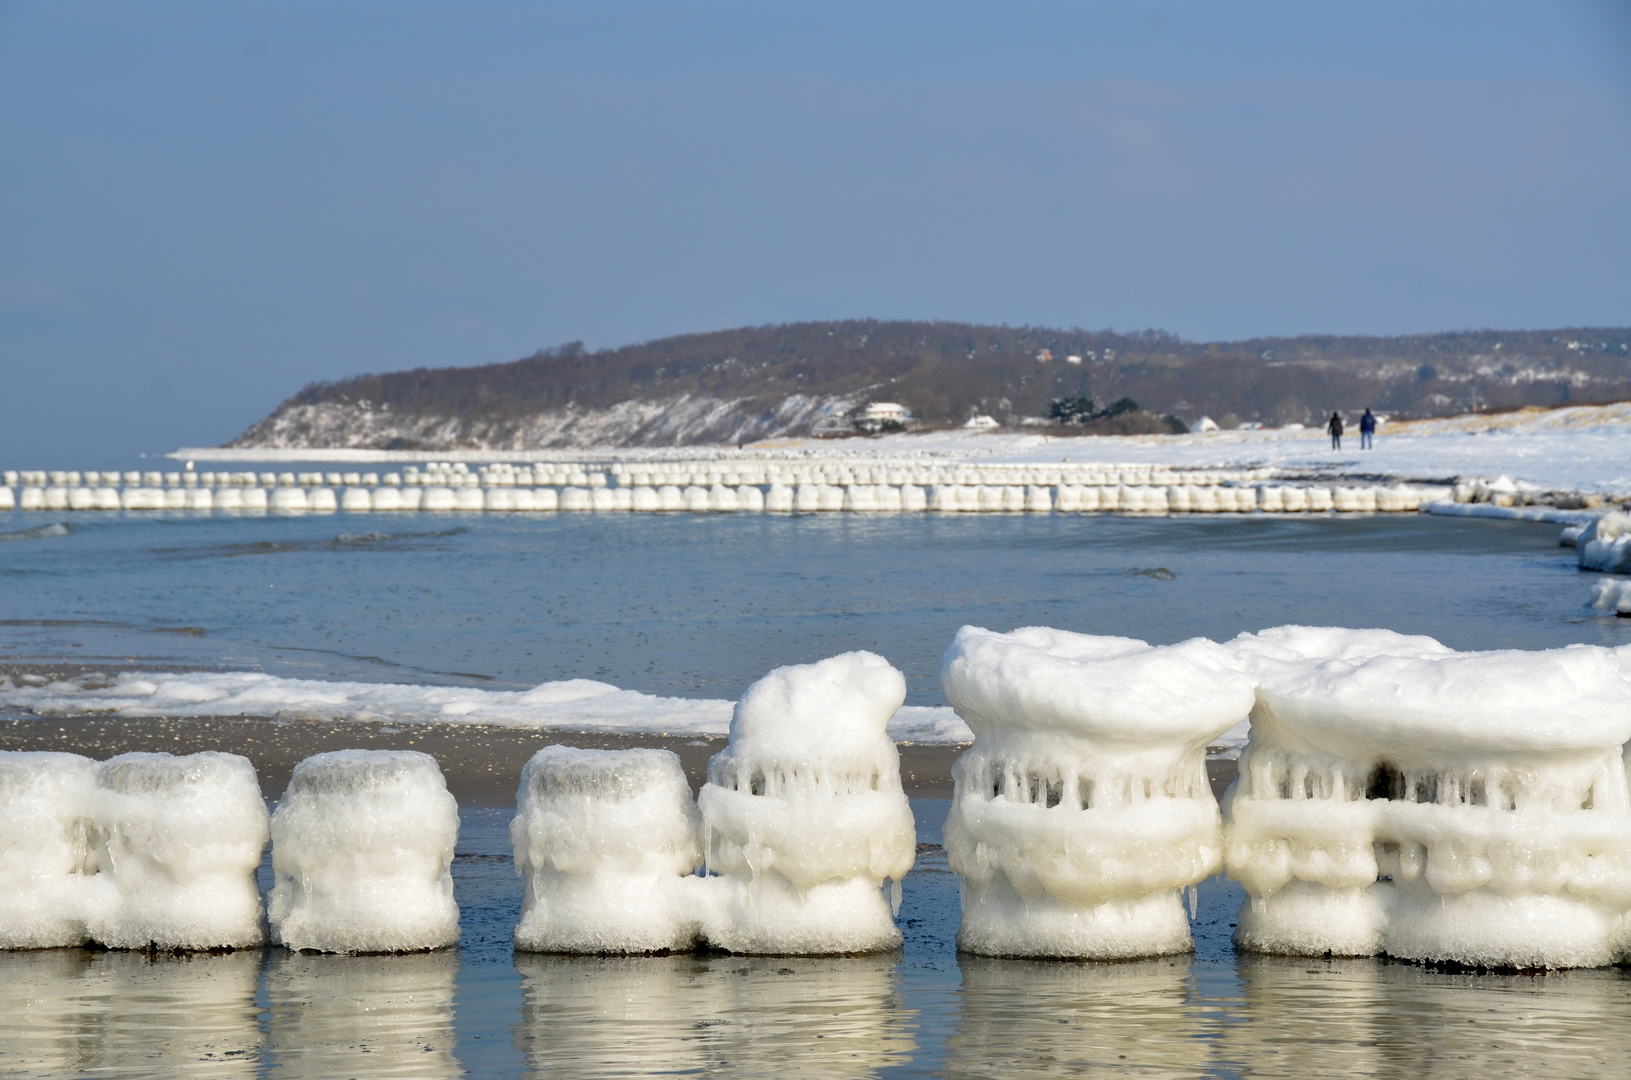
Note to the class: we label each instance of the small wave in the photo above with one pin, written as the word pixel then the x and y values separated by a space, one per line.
pixel 390 537
pixel 40 532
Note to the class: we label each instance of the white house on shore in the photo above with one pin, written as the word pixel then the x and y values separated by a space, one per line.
pixel 981 422
pixel 881 412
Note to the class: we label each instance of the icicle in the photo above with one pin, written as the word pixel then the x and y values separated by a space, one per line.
pixel 1194 900
pixel 894 897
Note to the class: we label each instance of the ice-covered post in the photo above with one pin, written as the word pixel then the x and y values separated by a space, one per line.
pixel 1605 544
pixel 362 842
pixel 803 814
pixel 1083 810
pixel 1399 797
pixel 46 873
pixel 176 842
pixel 606 841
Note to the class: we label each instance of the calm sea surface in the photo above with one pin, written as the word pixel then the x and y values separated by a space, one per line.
pixel 702 606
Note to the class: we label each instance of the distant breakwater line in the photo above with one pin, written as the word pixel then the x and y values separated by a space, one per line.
pixel 791 486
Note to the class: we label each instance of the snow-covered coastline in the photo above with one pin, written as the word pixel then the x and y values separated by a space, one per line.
pixel 579 705
pixel 1584 448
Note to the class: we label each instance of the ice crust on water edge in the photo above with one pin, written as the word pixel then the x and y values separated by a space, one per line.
pixel 137 851
pixel 1400 797
pixel 1612 594
pixel 1605 544
pixel 568 705
pixel 1082 812
pixel 801 823
pixel 362 845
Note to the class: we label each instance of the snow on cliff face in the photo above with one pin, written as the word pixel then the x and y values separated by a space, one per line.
pixel 686 420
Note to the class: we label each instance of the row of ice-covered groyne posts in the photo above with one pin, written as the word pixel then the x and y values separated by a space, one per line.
pixel 1394 797
pixel 787 849
pixel 750 487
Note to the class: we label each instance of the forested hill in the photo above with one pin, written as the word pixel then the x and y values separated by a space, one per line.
pixel 768 381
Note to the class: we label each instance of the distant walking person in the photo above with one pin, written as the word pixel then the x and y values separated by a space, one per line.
pixel 1335 428
pixel 1367 431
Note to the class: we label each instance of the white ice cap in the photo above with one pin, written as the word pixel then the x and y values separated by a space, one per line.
pixel 819 709
pixel 1103 688
pixel 1366 693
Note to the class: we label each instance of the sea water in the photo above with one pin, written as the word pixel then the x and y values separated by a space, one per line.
pixel 701 606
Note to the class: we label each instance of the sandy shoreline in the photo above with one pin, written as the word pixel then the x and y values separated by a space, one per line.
pixel 482 764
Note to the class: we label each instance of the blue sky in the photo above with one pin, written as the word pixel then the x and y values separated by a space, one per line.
pixel 204 206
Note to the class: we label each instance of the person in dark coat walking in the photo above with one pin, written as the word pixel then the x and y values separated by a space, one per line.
pixel 1335 428
pixel 1367 431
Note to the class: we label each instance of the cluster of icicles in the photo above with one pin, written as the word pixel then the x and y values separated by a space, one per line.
pixel 1395 797
pixel 757 486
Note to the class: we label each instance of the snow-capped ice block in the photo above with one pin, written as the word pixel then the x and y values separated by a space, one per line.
pixel 607 843
pixel 177 841
pixel 46 873
pixel 1399 797
pixel 779 499
pixel 290 500
pixel 803 814
pixel 362 842
pixel 1612 594
pixel 1082 811
pixel 1605 544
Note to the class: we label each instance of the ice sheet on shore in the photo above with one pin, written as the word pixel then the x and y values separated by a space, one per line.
pixel 569 705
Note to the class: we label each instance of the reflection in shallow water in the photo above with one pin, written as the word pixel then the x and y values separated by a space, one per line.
pixel 615 1016
pixel 484 1011
pixel 1377 1018
pixel 73 1012
pixel 344 1015
pixel 1042 1018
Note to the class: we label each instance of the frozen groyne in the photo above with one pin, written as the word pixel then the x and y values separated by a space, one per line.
pixel 1394 797
pixel 142 850
pixel 608 842
pixel 1083 810
pixel 362 843
pixel 721 484
pixel 1399 797
pixel 1605 544
pixel 800 825
pixel 804 818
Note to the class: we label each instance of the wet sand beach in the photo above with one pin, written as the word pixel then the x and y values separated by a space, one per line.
pixel 482 764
